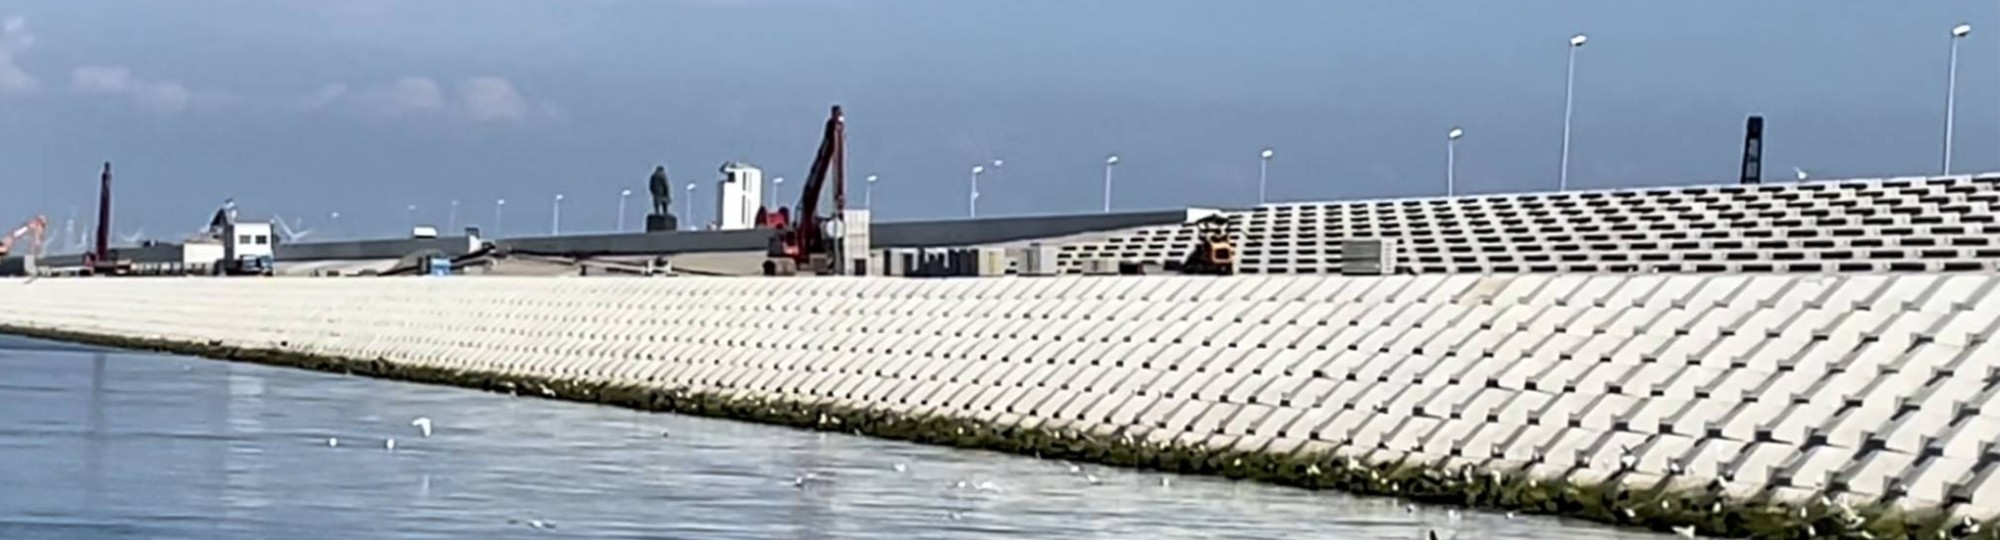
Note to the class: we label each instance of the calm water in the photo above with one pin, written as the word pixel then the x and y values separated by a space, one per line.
pixel 110 444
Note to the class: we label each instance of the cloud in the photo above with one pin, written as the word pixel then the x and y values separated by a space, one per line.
pixel 483 99
pixel 491 98
pixel 117 81
pixel 14 39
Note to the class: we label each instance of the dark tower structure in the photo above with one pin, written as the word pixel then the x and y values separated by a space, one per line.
pixel 1753 151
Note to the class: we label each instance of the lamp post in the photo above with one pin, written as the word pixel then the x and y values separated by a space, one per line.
pixel 690 207
pixel 499 206
pixel 555 217
pixel 622 195
pixel 1451 161
pixel 451 219
pixel 412 211
pixel 1264 174
pixel 868 194
pixel 1569 106
pixel 1951 90
pixel 333 223
pixel 972 201
pixel 1110 161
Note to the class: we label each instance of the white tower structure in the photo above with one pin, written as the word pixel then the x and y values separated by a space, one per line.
pixel 738 195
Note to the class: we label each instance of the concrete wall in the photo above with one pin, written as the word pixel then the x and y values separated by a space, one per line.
pixel 1869 387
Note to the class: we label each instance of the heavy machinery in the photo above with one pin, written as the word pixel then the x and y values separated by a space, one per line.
pixel 800 241
pixel 1214 252
pixel 36 226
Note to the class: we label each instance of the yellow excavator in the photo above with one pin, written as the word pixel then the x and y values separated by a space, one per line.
pixel 1214 252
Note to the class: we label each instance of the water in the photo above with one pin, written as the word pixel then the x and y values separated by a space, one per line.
pixel 99 443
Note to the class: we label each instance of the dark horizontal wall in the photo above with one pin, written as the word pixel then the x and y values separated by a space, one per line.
pixel 370 249
pixel 960 232
pixel 905 234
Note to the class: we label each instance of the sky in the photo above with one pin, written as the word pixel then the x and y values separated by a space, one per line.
pixel 304 108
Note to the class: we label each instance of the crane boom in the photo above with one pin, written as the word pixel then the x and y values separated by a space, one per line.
pixel 36 226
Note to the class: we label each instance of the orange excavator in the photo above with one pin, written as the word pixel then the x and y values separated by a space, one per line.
pixel 800 238
pixel 35 229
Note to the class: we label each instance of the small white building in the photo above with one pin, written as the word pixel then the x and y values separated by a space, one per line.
pixel 738 195
pixel 248 240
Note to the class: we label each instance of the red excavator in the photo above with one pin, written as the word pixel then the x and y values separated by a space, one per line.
pixel 35 226
pixel 800 239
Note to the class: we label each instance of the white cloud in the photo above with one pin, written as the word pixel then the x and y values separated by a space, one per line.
pixel 491 98
pixel 326 96
pixel 15 38
pixel 476 99
pixel 158 96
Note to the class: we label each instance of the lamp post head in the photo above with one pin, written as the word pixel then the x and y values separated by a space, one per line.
pixel 871 179
pixel 1111 159
pixel 690 186
pixel 1961 30
pixel 778 180
pixel 1578 40
pixel 1455 133
pixel 501 202
pixel 413 208
pixel 976 169
pixel 998 162
pixel 336 215
pixel 1266 154
pixel 625 193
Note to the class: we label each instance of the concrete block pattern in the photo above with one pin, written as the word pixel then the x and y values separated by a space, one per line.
pixel 1868 386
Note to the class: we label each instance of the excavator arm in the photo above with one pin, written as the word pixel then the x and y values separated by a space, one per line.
pixel 35 229
pixel 803 236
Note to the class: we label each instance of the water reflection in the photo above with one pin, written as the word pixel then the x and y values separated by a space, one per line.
pixel 179 448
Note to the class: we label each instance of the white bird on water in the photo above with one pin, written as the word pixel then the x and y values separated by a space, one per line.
pixel 332 441
pixel 423 424
pixel 389 445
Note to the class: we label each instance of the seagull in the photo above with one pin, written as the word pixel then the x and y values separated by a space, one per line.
pixel 1166 482
pixel 1092 478
pixel 423 424
pixel 332 441
pixel 902 468
pixel 1510 515
pixel 389 444
pixel 1686 531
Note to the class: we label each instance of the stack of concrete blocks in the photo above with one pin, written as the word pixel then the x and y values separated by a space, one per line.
pixel 989 262
pixel 1368 256
pixel 1039 260
pixel 1911 224
pixel 1866 387
pixel 1099 267
pixel 853 244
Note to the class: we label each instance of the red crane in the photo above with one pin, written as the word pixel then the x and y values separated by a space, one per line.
pixel 33 230
pixel 799 234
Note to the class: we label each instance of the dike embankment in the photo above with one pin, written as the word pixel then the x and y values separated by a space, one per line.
pixel 1778 406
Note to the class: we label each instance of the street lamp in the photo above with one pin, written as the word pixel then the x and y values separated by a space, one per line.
pixel 622 195
pixel 1951 90
pixel 555 218
pixel 413 216
pixel 499 206
pixel 972 202
pixel 451 219
pixel 333 223
pixel 1109 162
pixel 1569 106
pixel 1263 174
pixel 690 207
pixel 1451 160
pixel 771 200
pixel 868 194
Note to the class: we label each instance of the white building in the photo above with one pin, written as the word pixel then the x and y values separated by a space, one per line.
pixel 737 196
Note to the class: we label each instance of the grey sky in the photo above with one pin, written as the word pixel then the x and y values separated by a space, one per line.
pixel 304 107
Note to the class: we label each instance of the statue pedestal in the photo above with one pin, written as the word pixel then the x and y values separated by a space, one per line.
pixel 662 223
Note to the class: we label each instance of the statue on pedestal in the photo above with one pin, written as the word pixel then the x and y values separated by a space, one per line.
pixel 662 218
